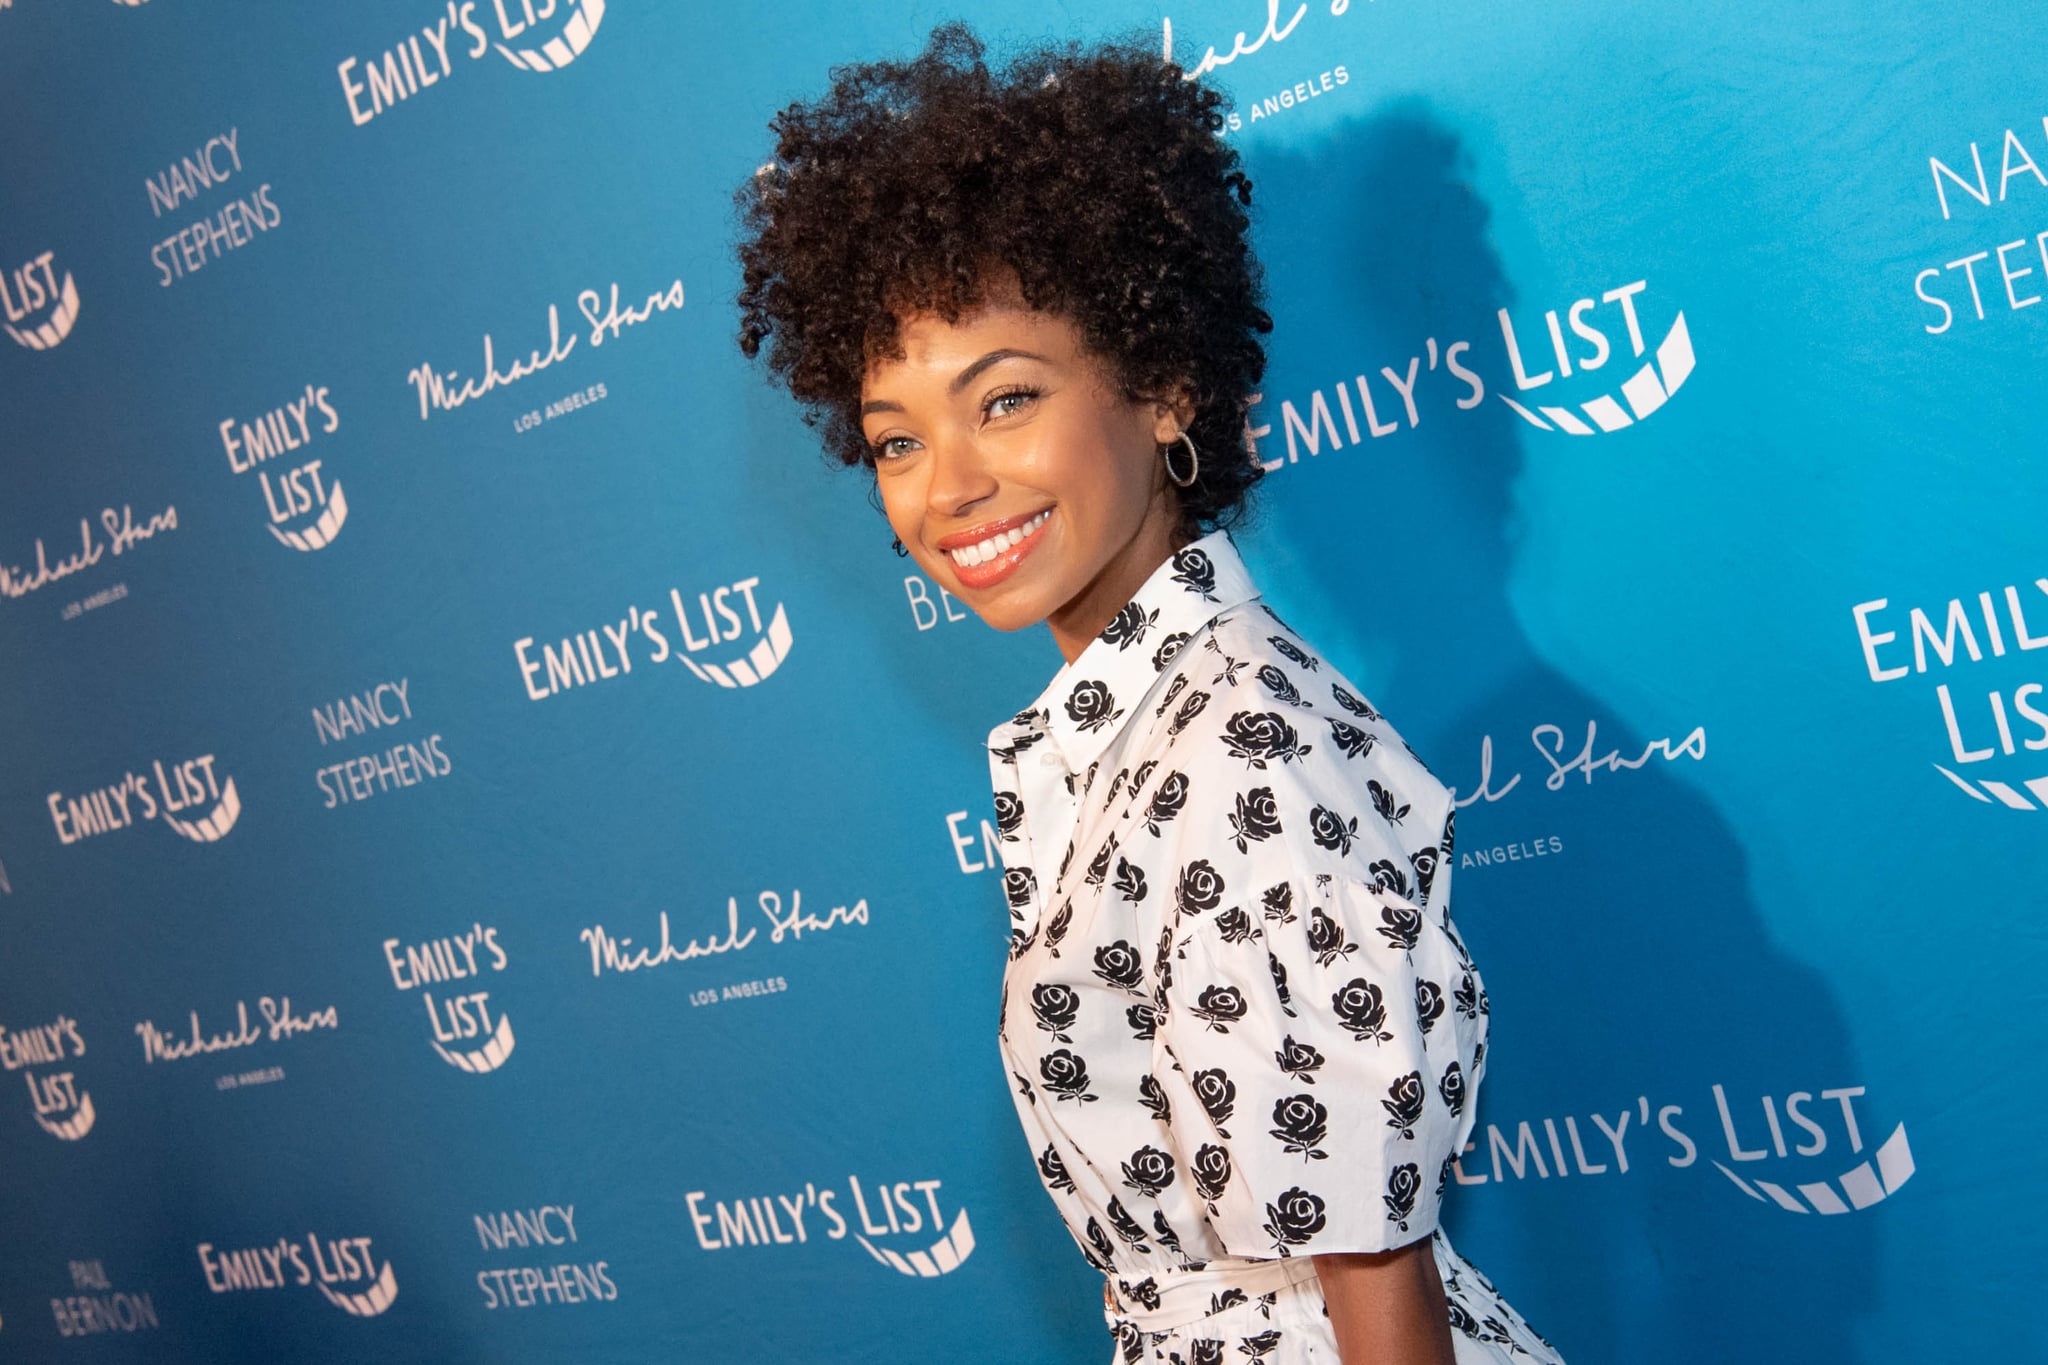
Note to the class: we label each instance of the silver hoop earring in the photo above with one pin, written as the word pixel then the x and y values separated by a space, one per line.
pixel 1194 462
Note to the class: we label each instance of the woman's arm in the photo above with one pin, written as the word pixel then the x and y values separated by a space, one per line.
pixel 1387 1307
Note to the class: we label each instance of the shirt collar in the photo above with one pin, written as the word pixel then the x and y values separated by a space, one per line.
pixel 1090 700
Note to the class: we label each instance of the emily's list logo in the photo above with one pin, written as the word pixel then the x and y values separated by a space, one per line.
pixel 190 797
pixel 40 309
pixel 2004 728
pixel 62 1109
pixel 533 35
pixel 307 509
pixel 344 1269
pixel 460 1016
pixel 897 1222
pixel 726 636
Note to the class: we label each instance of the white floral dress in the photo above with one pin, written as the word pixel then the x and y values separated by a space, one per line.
pixel 1242 1028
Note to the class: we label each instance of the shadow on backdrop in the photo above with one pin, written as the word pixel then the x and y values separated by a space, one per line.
pixel 1630 971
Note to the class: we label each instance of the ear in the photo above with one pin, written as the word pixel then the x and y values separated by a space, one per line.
pixel 1171 411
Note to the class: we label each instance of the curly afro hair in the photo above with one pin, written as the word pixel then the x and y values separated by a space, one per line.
pixel 1096 176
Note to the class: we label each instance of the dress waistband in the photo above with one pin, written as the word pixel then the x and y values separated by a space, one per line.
pixel 1186 1296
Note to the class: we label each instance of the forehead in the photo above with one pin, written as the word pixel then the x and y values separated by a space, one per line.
pixel 932 349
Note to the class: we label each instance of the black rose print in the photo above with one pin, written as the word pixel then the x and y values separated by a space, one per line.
pixel 1280 685
pixel 1404 1103
pixel 1020 942
pixel 1279 902
pixel 1009 814
pixel 1173 691
pixel 1090 706
pixel 1452 1088
pixel 1256 819
pixel 1055 1007
pixel 1429 1004
pixel 1326 937
pixel 1144 1021
pixel 1124 1226
pixel 1331 830
pixel 1234 925
pixel 1118 965
pixel 1131 1342
pixel 1194 570
pixel 1065 1075
pixel 1463 1320
pixel 1291 650
pixel 1057 929
pixel 1148 1171
pixel 1145 1293
pixel 1443 1173
pixel 1189 709
pixel 1466 997
pixel 1280 985
pixel 1351 703
pixel 1404 1182
pixel 1166 801
pixel 1390 807
pixel 1256 736
pixel 1400 926
pixel 1023 1086
pixel 1363 1010
pixel 1354 742
pixel 1169 650
pixel 1205 1351
pixel 1116 784
pixel 1301 1124
pixel 1294 1218
pixel 1229 1298
pixel 1299 1060
pixel 1220 1007
pixel 1128 626
pixel 1130 881
pixel 1162 1231
pixel 1098 866
pixel 1218 1094
pixel 1153 1098
pixel 1066 859
pixel 1388 877
pixel 1211 1169
pixel 1260 1346
pixel 1138 777
pixel 1201 888
pixel 1424 861
pixel 1227 675
pixel 1054 1170
pixel 1018 884
pixel 1098 1251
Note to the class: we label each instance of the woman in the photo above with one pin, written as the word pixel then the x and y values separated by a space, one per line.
pixel 1244 1033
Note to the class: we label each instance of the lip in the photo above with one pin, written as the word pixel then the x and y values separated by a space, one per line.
pixel 960 540
pixel 994 571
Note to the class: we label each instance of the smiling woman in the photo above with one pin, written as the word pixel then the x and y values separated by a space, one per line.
pixel 1026 303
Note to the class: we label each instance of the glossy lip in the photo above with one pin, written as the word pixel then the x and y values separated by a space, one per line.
pixel 962 539
pixel 994 571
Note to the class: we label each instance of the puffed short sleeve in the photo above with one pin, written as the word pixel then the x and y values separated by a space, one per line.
pixel 1318 1033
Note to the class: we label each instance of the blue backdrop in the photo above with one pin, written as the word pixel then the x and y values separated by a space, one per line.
pixel 426 647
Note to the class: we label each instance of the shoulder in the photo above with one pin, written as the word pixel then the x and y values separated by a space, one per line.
pixel 1268 735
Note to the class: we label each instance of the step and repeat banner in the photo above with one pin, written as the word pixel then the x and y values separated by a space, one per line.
pixel 495 851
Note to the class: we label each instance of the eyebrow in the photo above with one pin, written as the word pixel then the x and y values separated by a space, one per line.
pixel 960 381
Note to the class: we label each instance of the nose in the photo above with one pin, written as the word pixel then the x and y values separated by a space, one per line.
pixel 960 477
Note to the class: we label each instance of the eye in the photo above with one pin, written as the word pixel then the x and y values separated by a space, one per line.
pixel 888 449
pixel 1006 402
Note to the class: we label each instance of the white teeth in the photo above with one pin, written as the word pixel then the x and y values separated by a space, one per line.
pixel 988 549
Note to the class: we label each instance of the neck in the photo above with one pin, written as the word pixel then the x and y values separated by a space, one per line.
pixel 1158 537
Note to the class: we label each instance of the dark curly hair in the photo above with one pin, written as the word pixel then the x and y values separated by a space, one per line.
pixel 1096 176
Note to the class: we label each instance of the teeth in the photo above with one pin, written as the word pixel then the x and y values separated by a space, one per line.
pixel 988 549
